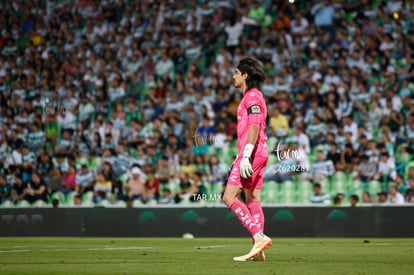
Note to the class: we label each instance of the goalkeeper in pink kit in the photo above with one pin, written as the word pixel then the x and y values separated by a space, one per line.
pixel 247 171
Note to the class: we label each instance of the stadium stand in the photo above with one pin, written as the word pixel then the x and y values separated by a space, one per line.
pixel 111 85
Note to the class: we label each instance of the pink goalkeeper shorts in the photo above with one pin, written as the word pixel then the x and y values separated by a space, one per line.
pixel 255 181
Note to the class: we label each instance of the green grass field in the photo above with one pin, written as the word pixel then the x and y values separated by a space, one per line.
pixel 203 256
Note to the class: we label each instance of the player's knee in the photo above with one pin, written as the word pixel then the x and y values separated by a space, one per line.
pixel 252 196
pixel 251 201
pixel 228 199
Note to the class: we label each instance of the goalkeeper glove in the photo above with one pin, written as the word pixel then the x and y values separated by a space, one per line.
pixel 246 170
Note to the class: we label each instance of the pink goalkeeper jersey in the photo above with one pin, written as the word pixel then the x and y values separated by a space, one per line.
pixel 252 111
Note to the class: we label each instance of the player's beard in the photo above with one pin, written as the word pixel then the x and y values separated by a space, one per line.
pixel 236 84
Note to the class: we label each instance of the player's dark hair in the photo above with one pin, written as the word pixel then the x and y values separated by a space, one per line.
pixel 255 73
pixel 355 197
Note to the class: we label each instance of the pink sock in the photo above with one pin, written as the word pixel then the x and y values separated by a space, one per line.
pixel 256 211
pixel 244 216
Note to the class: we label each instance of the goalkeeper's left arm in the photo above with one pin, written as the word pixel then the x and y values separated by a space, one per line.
pixel 246 169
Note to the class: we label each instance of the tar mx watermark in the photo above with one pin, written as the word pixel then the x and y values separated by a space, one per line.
pixel 207 197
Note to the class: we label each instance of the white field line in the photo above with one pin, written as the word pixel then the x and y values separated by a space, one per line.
pixel 78 249
pixel 14 251
pixel 105 248
pixel 369 243
pixel 212 246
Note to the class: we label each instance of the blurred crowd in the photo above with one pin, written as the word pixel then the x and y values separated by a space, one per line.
pixel 132 101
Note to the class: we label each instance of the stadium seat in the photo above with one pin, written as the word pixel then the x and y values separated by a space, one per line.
pixel 124 178
pixel 70 197
pixel 356 185
pixel 173 185
pixel 280 195
pixel 359 192
pixel 105 203
pixel 304 191
pixel 212 151
pixel 7 203
pixel 137 203
pixel 59 196
pixel 214 188
pixel 23 203
pixel 122 203
pixel 88 196
pixel 272 159
pixel 289 194
pixel 375 187
pixel 269 192
pixel 87 203
pixel 336 183
pixel 39 203
pixel 271 143
pixel 285 193
pixel 312 155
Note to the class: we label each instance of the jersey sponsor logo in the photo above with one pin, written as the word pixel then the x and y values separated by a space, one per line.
pixel 255 109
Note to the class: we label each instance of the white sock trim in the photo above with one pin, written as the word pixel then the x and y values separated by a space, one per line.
pixel 258 236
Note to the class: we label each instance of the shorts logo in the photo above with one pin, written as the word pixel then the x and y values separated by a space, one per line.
pixel 233 178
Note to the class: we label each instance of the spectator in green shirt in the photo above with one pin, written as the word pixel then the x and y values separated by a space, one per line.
pixel 5 189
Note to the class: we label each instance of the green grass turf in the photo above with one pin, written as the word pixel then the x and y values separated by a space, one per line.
pixel 203 256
